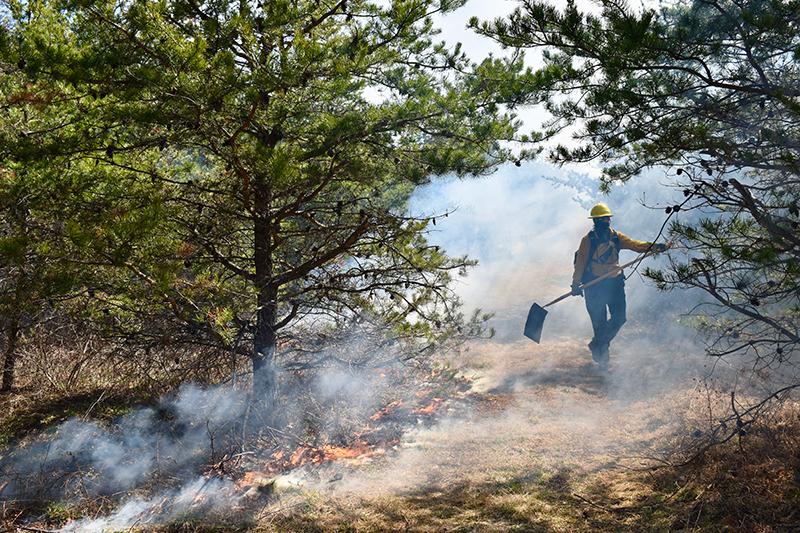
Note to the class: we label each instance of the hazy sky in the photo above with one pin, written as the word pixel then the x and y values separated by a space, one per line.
pixel 454 30
pixel 453 25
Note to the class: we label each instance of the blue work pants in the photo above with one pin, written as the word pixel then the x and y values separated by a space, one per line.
pixel 603 299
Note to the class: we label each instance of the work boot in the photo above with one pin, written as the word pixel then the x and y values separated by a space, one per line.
pixel 595 349
pixel 603 357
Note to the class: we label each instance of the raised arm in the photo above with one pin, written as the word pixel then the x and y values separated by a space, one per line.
pixel 626 243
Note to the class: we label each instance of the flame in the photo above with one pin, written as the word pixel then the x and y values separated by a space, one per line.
pixel 372 441
pixel 334 453
pixel 327 452
pixel 430 408
pixel 306 454
pixel 387 409
pixel 250 478
pixel 310 455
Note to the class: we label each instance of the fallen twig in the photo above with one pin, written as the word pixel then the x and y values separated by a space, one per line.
pixel 590 502
pixel 36 529
pixel 610 510
pixel 91 408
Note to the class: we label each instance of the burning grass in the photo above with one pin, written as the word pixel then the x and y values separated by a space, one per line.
pixel 724 490
pixel 119 469
pixel 442 394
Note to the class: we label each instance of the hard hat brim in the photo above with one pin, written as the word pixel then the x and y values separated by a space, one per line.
pixel 601 216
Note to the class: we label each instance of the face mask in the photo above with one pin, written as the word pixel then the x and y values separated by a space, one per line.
pixel 602 225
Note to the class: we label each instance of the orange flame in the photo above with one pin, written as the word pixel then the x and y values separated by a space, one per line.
pixel 430 408
pixel 333 453
pixel 306 454
pixel 387 409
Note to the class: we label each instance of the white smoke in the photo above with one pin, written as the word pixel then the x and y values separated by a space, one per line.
pixel 200 497
pixel 160 450
pixel 178 434
pixel 523 226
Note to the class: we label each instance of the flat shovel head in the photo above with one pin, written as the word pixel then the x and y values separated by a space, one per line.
pixel 535 322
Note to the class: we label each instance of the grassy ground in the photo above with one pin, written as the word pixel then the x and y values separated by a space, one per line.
pixel 555 501
pixel 572 450
pixel 23 415
pixel 559 446
pixel 726 490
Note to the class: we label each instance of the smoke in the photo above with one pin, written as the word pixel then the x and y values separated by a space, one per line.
pixel 162 451
pixel 200 497
pixel 556 411
pixel 86 457
pixel 524 225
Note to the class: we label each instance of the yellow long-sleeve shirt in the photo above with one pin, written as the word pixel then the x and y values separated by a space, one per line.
pixel 605 257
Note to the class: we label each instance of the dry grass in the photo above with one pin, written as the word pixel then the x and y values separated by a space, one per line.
pixel 752 488
pixel 551 445
pixel 572 451
pixel 59 381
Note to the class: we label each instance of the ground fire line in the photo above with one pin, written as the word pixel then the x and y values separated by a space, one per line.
pixel 379 438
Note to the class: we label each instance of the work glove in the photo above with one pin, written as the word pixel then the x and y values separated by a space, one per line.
pixel 660 247
pixel 576 290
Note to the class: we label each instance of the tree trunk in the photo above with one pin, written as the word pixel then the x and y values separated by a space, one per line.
pixel 265 378
pixel 10 359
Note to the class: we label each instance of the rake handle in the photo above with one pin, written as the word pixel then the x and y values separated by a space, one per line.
pixel 604 276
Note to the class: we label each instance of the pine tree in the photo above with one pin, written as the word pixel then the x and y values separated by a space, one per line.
pixel 277 145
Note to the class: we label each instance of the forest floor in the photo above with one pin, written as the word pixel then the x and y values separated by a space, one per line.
pixel 554 445
pixel 566 447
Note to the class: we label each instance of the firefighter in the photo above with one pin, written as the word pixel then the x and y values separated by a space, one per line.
pixel 598 254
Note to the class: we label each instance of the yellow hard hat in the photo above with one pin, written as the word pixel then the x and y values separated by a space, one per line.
pixel 600 210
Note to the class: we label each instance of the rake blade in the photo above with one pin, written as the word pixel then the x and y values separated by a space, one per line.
pixel 535 322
